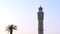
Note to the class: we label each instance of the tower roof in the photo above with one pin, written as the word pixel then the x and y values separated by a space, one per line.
pixel 40 8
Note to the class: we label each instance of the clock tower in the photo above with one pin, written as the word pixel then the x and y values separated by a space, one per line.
pixel 40 20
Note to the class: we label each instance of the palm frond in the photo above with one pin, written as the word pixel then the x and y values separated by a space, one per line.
pixel 15 27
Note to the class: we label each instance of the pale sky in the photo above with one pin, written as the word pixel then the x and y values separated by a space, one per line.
pixel 23 13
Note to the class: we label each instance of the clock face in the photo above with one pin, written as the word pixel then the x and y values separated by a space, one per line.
pixel 40 14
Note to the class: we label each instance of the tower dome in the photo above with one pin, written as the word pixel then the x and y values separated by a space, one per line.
pixel 40 8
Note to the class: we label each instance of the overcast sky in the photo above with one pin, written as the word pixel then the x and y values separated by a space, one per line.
pixel 23 13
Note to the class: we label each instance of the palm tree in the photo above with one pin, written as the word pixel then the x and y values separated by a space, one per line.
pixel 10 28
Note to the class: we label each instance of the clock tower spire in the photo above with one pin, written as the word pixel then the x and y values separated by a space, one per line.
pixel 40 20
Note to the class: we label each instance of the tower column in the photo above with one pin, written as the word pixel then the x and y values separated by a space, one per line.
pixel 40 21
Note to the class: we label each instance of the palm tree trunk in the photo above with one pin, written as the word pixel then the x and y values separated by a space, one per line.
pixel 10 31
